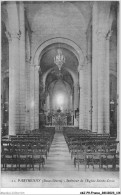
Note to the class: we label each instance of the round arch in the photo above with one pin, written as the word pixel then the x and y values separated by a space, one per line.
pixel 70 45
pixel 67 44
pixel 74 77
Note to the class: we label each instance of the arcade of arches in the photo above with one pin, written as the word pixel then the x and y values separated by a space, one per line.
pixel 60 66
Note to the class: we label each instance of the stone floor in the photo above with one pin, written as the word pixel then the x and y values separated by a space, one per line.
pixel 59 171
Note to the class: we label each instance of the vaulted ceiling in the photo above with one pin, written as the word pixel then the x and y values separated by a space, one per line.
pixel 47 60
pixel 59 19
pixel 60 16
pixel 62 76
pixel 70 20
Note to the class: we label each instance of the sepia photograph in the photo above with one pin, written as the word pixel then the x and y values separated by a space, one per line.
pixel 60 95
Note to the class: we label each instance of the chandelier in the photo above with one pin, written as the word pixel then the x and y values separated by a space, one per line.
pixel 59 60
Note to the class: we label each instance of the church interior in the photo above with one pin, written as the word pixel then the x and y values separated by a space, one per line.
pixel 60 94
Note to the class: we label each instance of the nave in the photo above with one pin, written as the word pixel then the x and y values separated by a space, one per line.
pixel 59 171
pixel 60 93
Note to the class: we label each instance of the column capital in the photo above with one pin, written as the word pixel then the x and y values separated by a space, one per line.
pixel 28 60
pixel 109 34
pixel 76 85
pixel 34 66
pixel 101 34
pixel 80 67
pixel 89 58
pixel 37 67
pixel 104 34
pixel 13 35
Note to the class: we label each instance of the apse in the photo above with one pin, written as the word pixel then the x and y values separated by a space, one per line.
pixel 60 100
pixel 61 96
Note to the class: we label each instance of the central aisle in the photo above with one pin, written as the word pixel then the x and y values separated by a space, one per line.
pixel 59 171
pixel 59 158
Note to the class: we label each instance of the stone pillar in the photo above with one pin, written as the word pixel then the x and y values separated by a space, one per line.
pixel 14 84
pixel 2 106
pixel 81 103
pixel 22 89
pixel 94 109
pixel 106 87
pixel 36 97
pixel 94 70
pixel 101 63
pixel 89 80
pixel 71 101
pixel 28 70
pixel 13 37
pixel 76 103
pixel 32 97
pixel 118 80
pixel 27 95
pixel 85 99
pixel 101 23
pixel 89 76
pixel 103 82
pixel 47 103
pixel 73 115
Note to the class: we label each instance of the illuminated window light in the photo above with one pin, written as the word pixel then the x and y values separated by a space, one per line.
pixel 60 99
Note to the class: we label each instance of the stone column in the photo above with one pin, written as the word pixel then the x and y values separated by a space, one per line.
pixel 118 80
pixel 50 99
pixel 94 70
pixel 101 89
pixel 101 23
pixel 27 95
pixel 81 103
pixel 2 106
pixel 14 84
pixel 76 103
pixel 73 105
pixel 36 97
pixel 89 108
pixel 106 87
pixel 13 37
pixel 47 103
pixel 85 102
pixel 22 89
pixel 32 97
pixel 89 76
pixel 27 77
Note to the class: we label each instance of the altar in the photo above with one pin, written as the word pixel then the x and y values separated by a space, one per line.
pixel 60 119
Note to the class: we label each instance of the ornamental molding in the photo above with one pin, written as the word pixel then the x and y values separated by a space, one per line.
pixel 89 58
pixel 12 36
pixel 109 34
pixel 104 34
